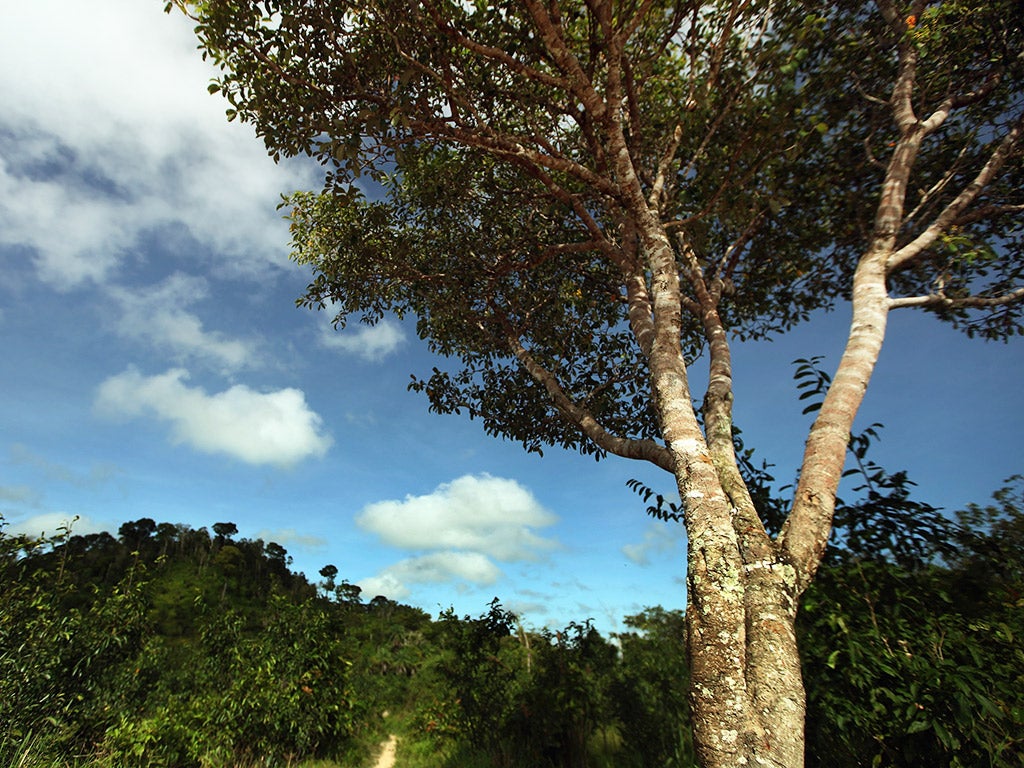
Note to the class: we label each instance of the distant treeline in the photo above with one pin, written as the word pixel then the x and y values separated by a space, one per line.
pixel 169 646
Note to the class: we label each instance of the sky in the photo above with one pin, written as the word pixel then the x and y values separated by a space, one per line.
pixel 153 363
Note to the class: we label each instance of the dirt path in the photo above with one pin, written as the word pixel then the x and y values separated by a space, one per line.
pixel 387 753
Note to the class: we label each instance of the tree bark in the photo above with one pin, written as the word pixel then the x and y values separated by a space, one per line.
pixel 747 693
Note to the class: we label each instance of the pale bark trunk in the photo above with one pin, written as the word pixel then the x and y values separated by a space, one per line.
pixel 747 693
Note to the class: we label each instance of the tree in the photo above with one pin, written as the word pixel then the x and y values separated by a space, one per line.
pixel 574 199
pixel 224 531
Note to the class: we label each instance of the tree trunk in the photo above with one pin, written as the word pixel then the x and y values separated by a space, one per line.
pixel 747 693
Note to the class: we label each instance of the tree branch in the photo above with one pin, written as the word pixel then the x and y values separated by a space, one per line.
pixel 654 199
pixel 579 83
pixel 938 300
pixel 916 247
pixel 805 533
pixel 646 450
pixel 512 147
pixel 986 212
pixel 718 417
pixel 496 54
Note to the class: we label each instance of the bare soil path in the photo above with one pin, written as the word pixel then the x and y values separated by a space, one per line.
pixel 387 753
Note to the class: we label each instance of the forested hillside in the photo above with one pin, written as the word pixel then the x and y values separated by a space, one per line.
pixel 169 646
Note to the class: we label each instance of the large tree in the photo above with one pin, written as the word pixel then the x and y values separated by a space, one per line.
pixel 576 198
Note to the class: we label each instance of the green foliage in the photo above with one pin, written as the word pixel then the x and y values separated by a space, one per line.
pixel 56 647
pixel 912 662
pixel 911 640
pixel 650 695
pixel 159 650
pixel 270 694
pixel 564 698
pixel 496 209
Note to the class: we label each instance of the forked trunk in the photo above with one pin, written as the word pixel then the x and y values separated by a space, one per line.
pixel 747 693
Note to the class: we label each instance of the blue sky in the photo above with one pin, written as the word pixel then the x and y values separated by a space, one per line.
pixel 154 365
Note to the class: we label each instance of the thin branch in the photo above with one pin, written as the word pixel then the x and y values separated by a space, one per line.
pixel 654 199
pixel 514 147
pixel 579 83
pixel 718 49
pixel 937 186
pixel 634 23
pixel 504 266
pixel 965 302
pixel 445 81
pixel 597 233
pixel 916 247
pixel 731 256
pixel 986 212
pixel 867 96
pixel 497 54
pixel 712 129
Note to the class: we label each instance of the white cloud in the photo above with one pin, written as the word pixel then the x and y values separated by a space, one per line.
pixel 370 342
pixel 660 537
pixel 462 526
pixel 256 427
pixel 52 523
pixel 76 239
pixel 157 315
pixel 491 515
pixel 433 568
pixel 109 133
pixel 385 583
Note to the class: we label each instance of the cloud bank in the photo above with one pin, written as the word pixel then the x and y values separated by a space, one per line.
pixel 435 568
pixel 255 427
pixel 54 523
pixel 125 142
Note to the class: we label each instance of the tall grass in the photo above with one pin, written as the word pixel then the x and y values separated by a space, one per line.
pixel 35 751
pixel 32 751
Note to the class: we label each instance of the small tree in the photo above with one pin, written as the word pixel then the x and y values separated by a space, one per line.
pixel 581 197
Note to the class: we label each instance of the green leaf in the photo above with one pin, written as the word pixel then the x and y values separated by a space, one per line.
pixel 918 726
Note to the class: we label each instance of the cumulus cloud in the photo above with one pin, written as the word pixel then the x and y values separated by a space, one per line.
pixel 255 427
pixel 84 246
pixel 116 136
pixel 434 568
pixel 659 538
pixel 370 342
pixel 462 527
pixel 480 513
pixel 157 315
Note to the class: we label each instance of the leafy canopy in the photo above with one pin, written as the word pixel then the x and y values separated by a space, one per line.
pixel 486 162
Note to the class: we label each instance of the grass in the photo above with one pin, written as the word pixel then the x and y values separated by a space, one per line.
pixel 33 751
